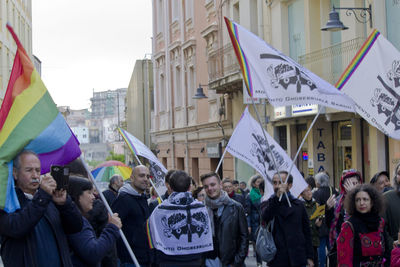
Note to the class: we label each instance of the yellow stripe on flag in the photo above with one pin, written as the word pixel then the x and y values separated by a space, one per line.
pixel 22 104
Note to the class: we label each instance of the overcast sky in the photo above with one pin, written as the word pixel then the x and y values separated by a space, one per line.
pixel 89 44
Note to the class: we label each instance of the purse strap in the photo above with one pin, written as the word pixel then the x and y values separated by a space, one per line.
pixel 271 224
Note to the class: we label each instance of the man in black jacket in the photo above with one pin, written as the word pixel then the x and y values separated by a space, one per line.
pixel 291 232
pixel 228 222
pixel 116 182
pixel 34 235
pixel 227 186
pixel 131 206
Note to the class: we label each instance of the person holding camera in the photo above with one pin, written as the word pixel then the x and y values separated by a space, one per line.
pixel 35 234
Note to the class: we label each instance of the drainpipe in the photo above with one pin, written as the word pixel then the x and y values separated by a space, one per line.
pixel 184 87
pixel 168 79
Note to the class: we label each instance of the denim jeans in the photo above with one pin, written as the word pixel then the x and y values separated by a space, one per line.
pixel 323 244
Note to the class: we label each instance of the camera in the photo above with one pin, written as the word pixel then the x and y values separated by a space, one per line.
pixel 61 176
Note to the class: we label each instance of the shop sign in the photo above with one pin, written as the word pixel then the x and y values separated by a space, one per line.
pixel 307 109
pixel 214 150
pixel 280 112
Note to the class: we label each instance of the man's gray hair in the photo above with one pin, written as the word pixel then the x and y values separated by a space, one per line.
pixel 114 178
pixel 17 159
pixel 322 178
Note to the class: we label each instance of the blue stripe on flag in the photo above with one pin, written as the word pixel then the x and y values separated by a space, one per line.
pixel 12 203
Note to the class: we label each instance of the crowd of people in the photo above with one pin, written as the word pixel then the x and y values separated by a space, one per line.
pixel 190 225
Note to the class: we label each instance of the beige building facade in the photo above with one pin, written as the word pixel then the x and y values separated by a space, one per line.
pixel 19 14
pixel 187 42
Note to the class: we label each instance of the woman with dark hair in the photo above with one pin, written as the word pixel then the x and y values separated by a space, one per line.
pixel 87 249
pixel 335 212
pixel 199 194
pixel 361 241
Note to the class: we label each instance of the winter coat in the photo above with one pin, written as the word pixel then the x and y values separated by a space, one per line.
pixel 17 229
pixel 352 252
pixel 291 231
pixel 134 211
pixel 233 240
pixel 88 250
pixel 110 194
pixel 253 218
pixel 311 206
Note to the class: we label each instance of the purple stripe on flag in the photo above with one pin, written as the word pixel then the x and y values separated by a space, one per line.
pixel 65 154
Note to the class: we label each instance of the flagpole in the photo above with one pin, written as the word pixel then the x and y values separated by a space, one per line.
pixel 91 178
pixel 302 143
pixel 272 155
pixel 221 160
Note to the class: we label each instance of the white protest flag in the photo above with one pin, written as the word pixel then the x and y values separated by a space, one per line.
pixel 156 168
pixel 247 143
pixel 372 80
pixel 270 74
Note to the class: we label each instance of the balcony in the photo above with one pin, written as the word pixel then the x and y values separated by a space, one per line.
pixel 224 71
pixel 329 63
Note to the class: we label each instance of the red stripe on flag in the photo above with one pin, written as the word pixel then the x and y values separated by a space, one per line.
pixel 20 78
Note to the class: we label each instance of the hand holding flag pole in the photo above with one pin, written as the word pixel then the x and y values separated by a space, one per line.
pixel 128 247
pixel 270 150
pixel 140 163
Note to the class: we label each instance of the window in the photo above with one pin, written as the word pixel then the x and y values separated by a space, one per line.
pixel 236 12
pixel 163 94
pixel 178 87
pixel 393 22
pixel 282 136
pixel 188 9
pixel 160 16
pixel 191 85
pixel 297 44
pixel 175 10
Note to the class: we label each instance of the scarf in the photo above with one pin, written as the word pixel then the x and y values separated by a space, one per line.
pixel 332 231
pixel 255 195
pixel 371 220
pixel 216 204
pixel 180 226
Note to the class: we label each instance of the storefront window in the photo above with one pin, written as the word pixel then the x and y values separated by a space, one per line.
pixel 302 162
pixel 343 154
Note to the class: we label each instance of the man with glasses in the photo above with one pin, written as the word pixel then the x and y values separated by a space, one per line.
pixel 131 206
pixel 228 187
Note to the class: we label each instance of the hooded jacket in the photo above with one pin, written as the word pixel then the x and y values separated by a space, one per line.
pixel 133 210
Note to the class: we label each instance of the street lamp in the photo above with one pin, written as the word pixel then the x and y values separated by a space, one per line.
pixel 199 93
pixel 362 15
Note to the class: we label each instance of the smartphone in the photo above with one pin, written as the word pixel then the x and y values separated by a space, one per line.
pixel 61 175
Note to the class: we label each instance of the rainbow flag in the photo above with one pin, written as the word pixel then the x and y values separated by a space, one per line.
pixel 29 119
pixel 244 65
pixel 357 59
pixel 372 80
pixel 268 73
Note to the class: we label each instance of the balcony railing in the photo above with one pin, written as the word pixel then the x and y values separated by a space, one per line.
pixel 329 63
pixel 222 63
